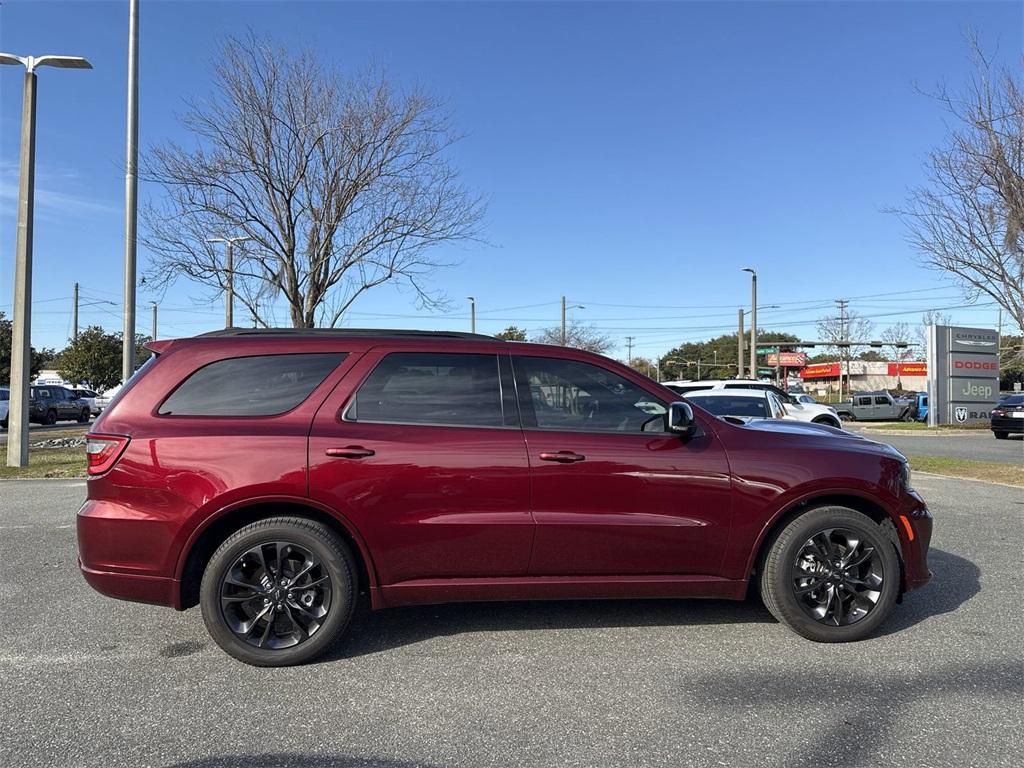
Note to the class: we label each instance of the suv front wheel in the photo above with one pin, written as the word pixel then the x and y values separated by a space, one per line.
pixel 831 575
pixel 279 591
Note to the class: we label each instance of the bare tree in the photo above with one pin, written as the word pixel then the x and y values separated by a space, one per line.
pixel 341 183
pixel 896 337
pixel 969 219
pixel 576 335
pixel 930 317
pixel 856 328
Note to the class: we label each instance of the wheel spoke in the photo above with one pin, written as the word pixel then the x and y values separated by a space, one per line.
pixel 865 556
pixel 836 577
pixel 255 620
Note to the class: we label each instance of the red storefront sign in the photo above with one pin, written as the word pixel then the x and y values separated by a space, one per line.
pixel 788 359
pixel 820 371
pixel 908 369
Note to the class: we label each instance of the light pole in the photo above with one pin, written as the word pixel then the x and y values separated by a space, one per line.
pixel 21 338
pixel 753 321
pixel 564 308
pixel 131 189
pixel 229 268
pixel 154 320
pixel 472 314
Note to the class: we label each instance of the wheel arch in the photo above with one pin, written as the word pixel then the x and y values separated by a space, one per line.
pixel 867 506
pixel 211 534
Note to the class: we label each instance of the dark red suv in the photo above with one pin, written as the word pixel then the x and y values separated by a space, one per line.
pixel 272 476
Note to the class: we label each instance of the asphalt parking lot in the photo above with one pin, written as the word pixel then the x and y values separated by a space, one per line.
pixel 88 681
pixel 979 445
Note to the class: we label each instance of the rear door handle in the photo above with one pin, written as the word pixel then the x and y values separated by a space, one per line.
pixel 562 457
pixel 349 452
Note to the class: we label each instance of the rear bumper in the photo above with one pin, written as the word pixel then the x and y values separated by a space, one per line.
pixel 131 586
pixel 1006 424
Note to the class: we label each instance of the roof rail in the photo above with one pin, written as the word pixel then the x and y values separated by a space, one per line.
pixel 389 332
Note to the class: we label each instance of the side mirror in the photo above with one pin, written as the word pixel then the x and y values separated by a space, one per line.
pixel 679 419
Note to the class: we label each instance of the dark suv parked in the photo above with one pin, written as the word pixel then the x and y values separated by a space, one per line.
pixel 271 476
pixel 50 404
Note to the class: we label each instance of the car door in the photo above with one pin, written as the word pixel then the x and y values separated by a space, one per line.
pixel 69 408
pixel 885 407
pixel 423 452
pixel 864 408
pixel 612 492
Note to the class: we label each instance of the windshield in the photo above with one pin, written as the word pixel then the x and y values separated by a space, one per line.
pixel 731 406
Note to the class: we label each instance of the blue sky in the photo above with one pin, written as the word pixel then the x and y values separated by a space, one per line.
pixel 635 155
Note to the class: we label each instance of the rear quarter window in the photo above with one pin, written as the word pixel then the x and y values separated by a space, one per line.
pixel 264 385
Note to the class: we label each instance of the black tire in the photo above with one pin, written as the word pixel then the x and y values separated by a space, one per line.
pixel 828 422
pixel 298 537
pixel 51 417
pixel 847 417
pixel 783 575
pixel 83 417
pixel 3 423
pixel 1000 435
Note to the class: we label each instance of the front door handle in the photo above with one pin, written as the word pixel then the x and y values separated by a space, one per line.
pixel 562 457
pixel 349 452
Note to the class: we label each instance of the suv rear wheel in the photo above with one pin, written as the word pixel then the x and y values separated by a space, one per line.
pixel 279 591
pixel 831 575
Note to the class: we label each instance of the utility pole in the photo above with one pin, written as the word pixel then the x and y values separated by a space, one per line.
pixel 563 322
pixel 21 330
pixel 74 315
pixel 472 314
pixel 845 348
pixel 153 336
pixel 739 348
pixel 629 350
pixel 131 189
pixel 229 275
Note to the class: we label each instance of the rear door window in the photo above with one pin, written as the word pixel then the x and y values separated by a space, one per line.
pixel 264 385
pixel 441 389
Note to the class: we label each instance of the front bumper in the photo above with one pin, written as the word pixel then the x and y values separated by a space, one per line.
pixel 914 528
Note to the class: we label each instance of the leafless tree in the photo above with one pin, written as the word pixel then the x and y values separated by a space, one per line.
pixel 930 317
pixel 576 335
pixel 343 184
pixel 894 337
pixel 969 218
pixel 856 328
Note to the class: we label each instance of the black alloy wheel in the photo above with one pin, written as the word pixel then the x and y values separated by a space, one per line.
pixel 837 578
pixel 832 574
pixel 279 591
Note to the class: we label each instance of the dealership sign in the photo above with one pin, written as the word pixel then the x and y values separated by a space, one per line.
pixel 963 380
pixel 787 359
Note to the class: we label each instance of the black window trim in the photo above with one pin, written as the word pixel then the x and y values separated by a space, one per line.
pixel 346 357
pixel 504 378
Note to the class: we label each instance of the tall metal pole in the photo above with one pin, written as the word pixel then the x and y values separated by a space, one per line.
pixel 131 188
pixel 753 324
pixel 739 348
pixel 154 320
pixel 229 292
pixel 74 316
pixel 563 321
pixel 21 338
pixel 472 314
pixel 629 350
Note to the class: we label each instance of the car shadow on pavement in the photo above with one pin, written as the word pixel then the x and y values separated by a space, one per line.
pixel 955 581
pixel 376 631
pixel 294 760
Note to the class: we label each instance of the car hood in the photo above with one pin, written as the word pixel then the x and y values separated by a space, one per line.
pixel 828 435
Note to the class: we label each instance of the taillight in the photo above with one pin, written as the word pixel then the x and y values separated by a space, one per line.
pixel 103 451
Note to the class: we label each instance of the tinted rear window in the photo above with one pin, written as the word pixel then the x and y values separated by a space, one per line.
pixel 428 388
pixel 250 386
pixel 1014 400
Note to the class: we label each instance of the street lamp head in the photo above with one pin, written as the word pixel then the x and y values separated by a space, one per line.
pixel 64 62
pixel 749 269
pixel 471 298
pixel 10 58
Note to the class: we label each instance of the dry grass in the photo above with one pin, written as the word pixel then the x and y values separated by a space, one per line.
pixel 991 471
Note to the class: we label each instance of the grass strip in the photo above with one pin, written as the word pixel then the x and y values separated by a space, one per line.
pixel 991 471
pixel 49 462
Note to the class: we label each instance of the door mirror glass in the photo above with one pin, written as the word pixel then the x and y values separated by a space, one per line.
pixel 679 419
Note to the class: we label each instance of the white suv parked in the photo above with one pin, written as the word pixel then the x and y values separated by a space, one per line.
pixel 816 413
pixel 5 397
